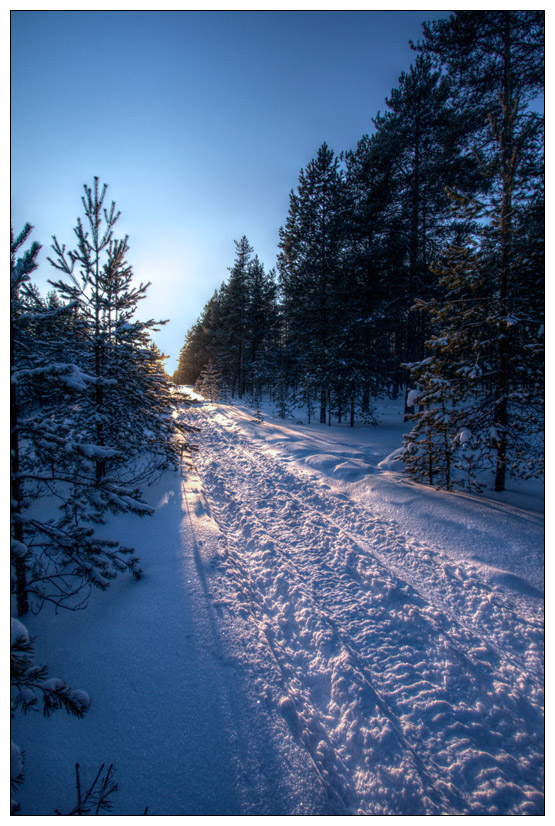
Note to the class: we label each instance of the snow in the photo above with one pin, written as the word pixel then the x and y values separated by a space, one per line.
pixel 412 397
pixel 18 548
pixel 18 632
pixel 314 635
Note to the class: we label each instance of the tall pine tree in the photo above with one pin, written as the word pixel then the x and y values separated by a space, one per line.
pixel 309 264
pixel 496 62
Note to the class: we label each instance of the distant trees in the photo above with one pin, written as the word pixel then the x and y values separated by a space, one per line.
pixel 236 336
pixel 412 263
pixel 202 343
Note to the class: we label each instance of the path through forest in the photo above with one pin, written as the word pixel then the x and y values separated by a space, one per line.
pixel 313 635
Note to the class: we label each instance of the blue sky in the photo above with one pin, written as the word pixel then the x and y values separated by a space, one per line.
pixel 198 121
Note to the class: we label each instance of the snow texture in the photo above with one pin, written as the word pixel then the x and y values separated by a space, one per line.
pixel 314 635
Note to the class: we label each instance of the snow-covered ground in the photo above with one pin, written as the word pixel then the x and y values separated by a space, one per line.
pixel 314 635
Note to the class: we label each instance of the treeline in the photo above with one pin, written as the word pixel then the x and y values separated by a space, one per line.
pixel 412 263
pixel 235 344
pixel 91 425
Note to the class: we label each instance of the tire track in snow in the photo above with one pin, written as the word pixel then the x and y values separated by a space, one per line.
pixel 494 621
pixel 463 595
pixel 388 694
pixel 304 719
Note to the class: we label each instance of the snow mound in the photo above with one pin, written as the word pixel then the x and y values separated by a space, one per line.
pixel 393 461
pixel 339 467
pixel 352 470
pixel 18 632
pixel 324 462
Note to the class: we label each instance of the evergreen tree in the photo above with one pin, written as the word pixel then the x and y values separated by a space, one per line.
pixel 20 271
pixel 419 138
pixel 496 59
pixel 234 303
pixel 56 557
pixel 309 263
pixel 89 430
pixel 261 332
pixel 455 436
pixel 375 259
pixel 202 343
pixel 209 384
pixel 128 412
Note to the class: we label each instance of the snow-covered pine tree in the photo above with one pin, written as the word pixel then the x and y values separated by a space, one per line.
pixel 428 450
pixel 234 295
pixel 56 554
pixel 127 417
pixel 51 558
pixel 20 273
pixel 309 265
pixel 456 435
pixel 31 687
pixel 495 60
pixel 209 383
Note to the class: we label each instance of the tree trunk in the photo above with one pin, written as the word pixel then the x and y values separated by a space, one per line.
pixel 323 405
pixel 365 399
pixel 508 162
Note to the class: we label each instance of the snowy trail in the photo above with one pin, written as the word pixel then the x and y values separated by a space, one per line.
pixel 312 636
pixel 171 705
pixel 413 685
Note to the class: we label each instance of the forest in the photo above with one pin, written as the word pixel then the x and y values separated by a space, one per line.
pixel 410 267
pixel 411 264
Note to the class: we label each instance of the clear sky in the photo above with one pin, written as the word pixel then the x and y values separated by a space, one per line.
pixel 199 122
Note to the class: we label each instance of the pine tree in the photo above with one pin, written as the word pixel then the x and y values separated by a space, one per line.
pixel 89 452
pixel 309 266
pixel 261 329
pixel 234 302
pixel 496 62
pixel 56 555
pixel 75 451
pixel 20 271
pixel 456 437
pixel 129 412
pixel 209 384
pixel 420 138
pixel 202 343
pixel 375 259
